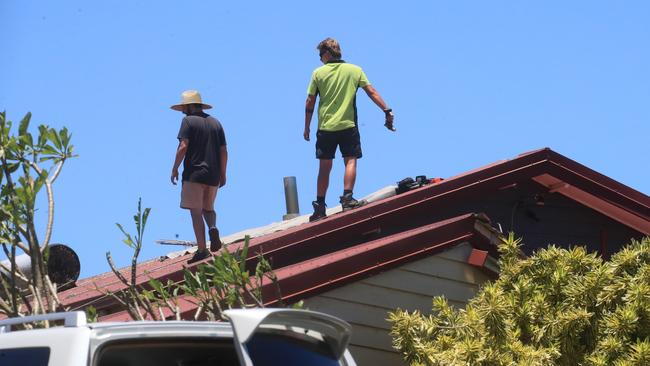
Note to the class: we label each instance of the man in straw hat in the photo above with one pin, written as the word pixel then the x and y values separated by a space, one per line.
pixel 336 83
pixel 202 148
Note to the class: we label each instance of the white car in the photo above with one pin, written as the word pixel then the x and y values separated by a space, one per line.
pixel 252 337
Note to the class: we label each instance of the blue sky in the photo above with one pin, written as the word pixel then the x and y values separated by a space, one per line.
pixel 470 83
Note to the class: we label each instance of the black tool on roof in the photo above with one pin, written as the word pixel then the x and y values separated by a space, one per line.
pixel 409 183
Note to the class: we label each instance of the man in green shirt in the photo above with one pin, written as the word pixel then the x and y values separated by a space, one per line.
pixel 336 82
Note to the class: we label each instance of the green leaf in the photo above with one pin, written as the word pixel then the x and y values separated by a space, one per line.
pixel 244 254
pixel 70 153
pixel 64 136
pixel 56 140
pixel 40 181
pixel 12 167
pixel 24 124
pixel 190 281
pixel 46 254
pixel 48 149
pixel 26 140
pixel 42 135
pixel 3 117
pixel 6 128
pixel 145 216
pixel 156 285
pixel 91 314
pixel 128 240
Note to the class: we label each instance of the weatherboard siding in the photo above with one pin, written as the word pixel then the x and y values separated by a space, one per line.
pixel 365 304
pixel 369 356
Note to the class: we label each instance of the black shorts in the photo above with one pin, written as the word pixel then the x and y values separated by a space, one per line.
pixel 348 140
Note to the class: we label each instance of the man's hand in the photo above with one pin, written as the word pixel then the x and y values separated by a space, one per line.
pixel 377 99
pixel 390 117
pixel 222 180
pixel 174 177
pixel 305 134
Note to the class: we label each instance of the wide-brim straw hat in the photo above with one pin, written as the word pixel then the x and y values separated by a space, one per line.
pixel 190 97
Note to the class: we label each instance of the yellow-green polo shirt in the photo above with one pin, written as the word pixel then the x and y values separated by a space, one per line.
pixel 336 83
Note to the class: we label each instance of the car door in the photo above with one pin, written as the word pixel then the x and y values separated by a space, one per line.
pixel 289 337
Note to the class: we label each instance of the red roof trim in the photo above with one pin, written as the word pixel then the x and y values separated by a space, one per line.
pixel 602 180
pixel 616 195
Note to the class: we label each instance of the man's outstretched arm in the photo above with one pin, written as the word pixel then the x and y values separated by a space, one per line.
pixel 379 101
pixel 224 164
pixel 180 155
pixel 309 111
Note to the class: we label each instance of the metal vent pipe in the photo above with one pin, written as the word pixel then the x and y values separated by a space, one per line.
pixel 63 266
pixel 291 198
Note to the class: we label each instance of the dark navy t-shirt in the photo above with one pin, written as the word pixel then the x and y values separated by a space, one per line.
pixel 202 163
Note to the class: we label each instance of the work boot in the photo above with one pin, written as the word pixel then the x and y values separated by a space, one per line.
pixel 319 211
pixel 348 202
pixel 215 240
pixel 199 255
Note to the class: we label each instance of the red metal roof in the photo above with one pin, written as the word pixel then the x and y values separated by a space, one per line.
pixel 297 246
pixel 320 274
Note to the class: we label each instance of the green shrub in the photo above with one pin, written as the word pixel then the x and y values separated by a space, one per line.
pixel 557 307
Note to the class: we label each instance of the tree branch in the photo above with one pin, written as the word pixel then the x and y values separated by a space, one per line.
pixel 54 298
pixel 57 170
pixel 6 308
pixel 17 273
pixel 22 246
pixel 134 265
pixel 50 199
pixel 114 269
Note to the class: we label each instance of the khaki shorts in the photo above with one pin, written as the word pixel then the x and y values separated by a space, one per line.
pixel 197 195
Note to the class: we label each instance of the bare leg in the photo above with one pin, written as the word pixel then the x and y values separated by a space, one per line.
pixel 199 228
pixel 350 176
pixel 210 218
pixel 324 170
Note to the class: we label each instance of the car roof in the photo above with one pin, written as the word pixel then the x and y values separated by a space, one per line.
pixel 168 323
pixel 161 329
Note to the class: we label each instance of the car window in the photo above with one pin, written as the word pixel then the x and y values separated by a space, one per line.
pixel 32 356
pixel 271 348
pixel 168 352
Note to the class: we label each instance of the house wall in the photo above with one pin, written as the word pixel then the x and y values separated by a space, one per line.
pixel 365 304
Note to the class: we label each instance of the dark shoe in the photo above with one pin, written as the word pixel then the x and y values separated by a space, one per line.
pixel 348 202
pixel 199 255
pixel 319 211
pixel 215 241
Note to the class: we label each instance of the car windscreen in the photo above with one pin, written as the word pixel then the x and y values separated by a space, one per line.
pixel 270 348
pixel 168 352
